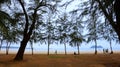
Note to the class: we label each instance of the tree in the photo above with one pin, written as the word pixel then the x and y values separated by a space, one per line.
pixel 76 40
pixel 63 30
pixel 111 12
pixel 93 12
pixel 50 35
pixel 7 48
pixel 6 24
pixel 92 32
pixel 35 15
pixel 108 34
pixel 4 1
pixel 11 38
pixel 76 30
pixel 76 35
pixel 63 39
pixel 105 9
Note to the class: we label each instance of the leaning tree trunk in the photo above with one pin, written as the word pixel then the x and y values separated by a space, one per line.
pixel 26 34
pixel 117 13
pixel 21 50
pixel 27 30
pixel 65 49
pixel 111 48
pixel 115 24
pixel 23 45
pixel 78 49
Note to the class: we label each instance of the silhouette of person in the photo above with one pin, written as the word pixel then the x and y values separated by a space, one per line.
pixel 75 53
pixel 56 52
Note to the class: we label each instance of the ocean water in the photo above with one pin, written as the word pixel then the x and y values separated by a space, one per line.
pixel 42 49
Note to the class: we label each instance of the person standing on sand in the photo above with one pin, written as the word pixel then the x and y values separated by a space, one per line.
pixel 75 53
pixel 56 52
pixel 105 51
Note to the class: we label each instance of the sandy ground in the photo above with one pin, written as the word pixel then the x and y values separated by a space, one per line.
pixel 83 60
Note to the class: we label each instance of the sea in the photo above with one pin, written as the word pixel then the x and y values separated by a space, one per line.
pixel 84 48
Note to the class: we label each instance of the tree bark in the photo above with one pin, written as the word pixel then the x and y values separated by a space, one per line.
pixel 117 10
pixel 21 50
pixel 117 14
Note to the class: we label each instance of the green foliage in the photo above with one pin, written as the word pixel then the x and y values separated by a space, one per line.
pixel 75 40
pixel 5 22
pixel 4 17
pixel 4 1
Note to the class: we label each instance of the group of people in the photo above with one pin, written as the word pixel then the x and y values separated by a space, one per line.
pixel 105 51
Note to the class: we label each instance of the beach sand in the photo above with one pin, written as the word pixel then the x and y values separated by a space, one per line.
pixel 42 60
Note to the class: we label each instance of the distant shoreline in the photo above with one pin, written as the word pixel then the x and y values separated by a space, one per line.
pixel 52 52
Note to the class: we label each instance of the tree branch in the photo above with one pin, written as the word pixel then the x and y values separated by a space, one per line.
pixel 34 20
pixel 117 11
pixel 26 18
pixel 110 19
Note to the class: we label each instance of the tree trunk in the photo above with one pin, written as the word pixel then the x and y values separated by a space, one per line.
pixel 48 47
pixel 116 25
pixel 117 11
pixel 95 47
pixel 21 50
pixel 27 31
pixel 26 34
pixel 32 48
pixel 78 48
pixel 117 14
pixel 65 49
pixel 1 44
pixel 111 48
pixel 7 48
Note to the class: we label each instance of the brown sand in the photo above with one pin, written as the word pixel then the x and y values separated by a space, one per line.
pixel 83 60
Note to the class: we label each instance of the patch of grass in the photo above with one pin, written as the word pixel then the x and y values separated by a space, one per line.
pixel 77 56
